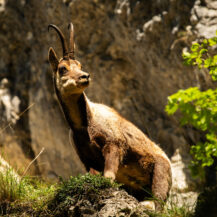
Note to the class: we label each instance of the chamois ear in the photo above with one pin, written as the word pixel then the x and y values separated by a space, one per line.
pixel 53 59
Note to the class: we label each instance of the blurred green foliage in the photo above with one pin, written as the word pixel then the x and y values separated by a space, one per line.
pixel 199 108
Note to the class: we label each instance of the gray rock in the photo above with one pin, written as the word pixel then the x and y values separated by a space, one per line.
pixel 9 104
pixel 115 203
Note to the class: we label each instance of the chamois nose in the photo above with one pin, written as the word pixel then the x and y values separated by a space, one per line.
pixel 85 76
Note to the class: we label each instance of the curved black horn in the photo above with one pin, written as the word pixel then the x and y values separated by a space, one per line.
pixel 71 42
pixel 62 38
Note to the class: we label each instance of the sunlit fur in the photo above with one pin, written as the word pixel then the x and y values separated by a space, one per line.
pixel 107 142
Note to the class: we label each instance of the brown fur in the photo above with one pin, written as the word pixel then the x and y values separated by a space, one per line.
pixel 107 142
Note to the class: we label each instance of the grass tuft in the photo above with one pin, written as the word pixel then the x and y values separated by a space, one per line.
pixel 27 196
pixel 171 209
pixel 11 187
pixel 38 193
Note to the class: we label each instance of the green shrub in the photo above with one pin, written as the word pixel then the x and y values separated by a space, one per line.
pixel 79 188
pixel 83 184
pixel 199 108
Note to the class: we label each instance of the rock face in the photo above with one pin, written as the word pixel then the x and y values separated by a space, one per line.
pixel 132 50
pixel 113 203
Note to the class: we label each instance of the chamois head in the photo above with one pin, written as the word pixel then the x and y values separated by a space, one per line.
pixel 68 76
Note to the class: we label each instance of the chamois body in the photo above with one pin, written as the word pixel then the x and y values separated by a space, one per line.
pixel 132 158
pixel 104 140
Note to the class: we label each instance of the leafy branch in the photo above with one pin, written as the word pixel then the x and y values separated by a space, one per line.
pixel 199 108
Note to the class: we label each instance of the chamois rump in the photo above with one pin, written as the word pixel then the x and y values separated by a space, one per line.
pixel 104 140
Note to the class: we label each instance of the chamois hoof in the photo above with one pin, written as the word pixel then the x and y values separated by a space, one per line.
pixel 150 205
pixel 109 174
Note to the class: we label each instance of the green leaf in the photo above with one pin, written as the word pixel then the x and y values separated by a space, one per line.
pixel 214 60
pixel 212 41
pixel 213 73
pixel 203 50
pixel 207 62
pixel 205 42
pixel 195 47
pixel 199 61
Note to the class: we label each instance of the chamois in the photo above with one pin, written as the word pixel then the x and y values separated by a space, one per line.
pixel 104 140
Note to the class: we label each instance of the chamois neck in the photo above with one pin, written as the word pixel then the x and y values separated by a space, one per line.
pixel 76 110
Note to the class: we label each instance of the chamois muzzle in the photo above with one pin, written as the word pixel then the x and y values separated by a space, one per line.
pixel 84 80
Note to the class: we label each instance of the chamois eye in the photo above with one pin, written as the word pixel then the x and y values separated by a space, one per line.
pixel 62 70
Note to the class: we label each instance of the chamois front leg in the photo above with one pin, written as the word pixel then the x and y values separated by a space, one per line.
pixel 112 160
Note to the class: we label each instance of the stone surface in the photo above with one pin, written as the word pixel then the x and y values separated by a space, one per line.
pixel 132 50
pixel 114 203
